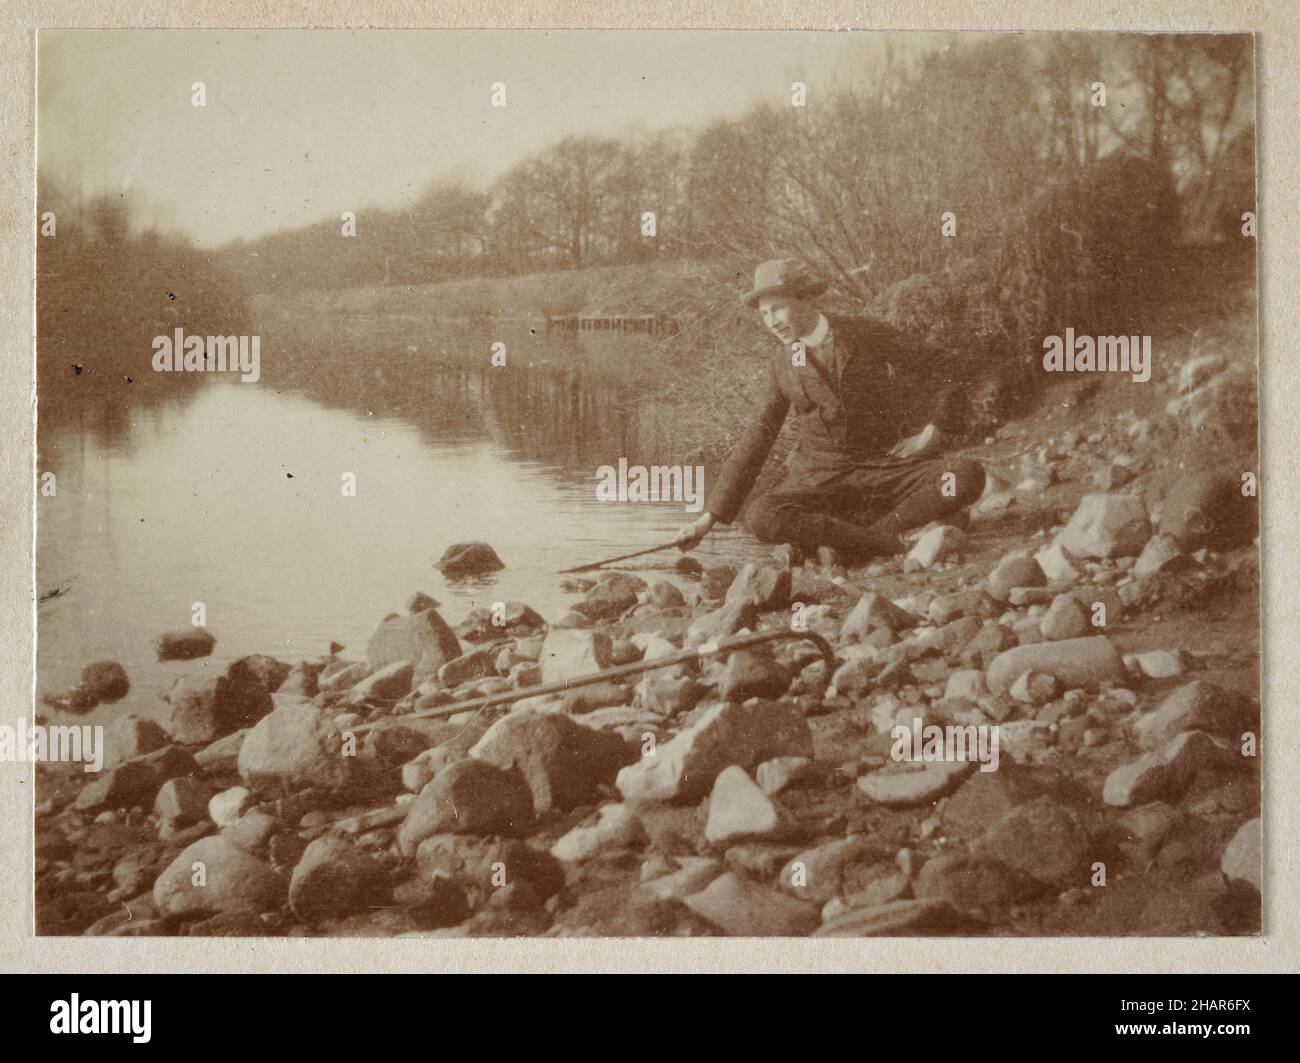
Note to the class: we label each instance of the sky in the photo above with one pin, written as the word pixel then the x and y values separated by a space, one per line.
pixel 301 125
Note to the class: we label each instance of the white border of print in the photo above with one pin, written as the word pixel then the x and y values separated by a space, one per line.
pixel 1279 100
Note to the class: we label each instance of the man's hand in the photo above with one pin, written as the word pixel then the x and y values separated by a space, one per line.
pixel 691 535
pixel 926 441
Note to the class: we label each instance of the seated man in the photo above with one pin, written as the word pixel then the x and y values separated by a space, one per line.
pixel 854 483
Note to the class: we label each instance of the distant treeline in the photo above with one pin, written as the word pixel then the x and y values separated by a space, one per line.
pixel 855 181
pixel 981 194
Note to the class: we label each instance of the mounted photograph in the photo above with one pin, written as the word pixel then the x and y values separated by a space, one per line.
pixel 627 484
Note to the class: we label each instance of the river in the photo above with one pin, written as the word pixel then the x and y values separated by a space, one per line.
pixel 233 497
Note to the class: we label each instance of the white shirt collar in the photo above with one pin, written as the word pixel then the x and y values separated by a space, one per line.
pixel 818 335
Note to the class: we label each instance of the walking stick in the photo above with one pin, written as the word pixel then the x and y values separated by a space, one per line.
pixel 621 557
pixel 708 649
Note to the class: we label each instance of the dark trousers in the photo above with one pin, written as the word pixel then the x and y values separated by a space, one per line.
pixel 863 509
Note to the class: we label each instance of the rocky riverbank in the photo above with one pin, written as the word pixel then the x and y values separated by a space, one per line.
pixel 1100 612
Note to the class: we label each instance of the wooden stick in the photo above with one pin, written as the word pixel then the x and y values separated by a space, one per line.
pixel 708 649
pixel 621 557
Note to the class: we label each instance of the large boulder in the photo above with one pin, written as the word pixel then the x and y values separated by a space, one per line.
pixel 564 763
pixel 205 708
pixel 182 801
pixel 136 781
pixel 101 681
pixel 296 747
pixel 215 875
pixel 839 868
pixel 303 678
pixel 1162 554
pixel 915 784
pixel 477 664
pixel 483 624
pixel 1107 525
pixel 750 674
pixel 721 623
pixel 1196 706
pixel 613 594
pixel 746 734
pixel 423 639
pixel 945 608
pixel 766 586
pixel 667 694
pixel 1065 618
pixel 935 545
pixel 225 808
pixel 692 875
pixel 1141 831
pixel 260 668
pixel 469 559
pixel 394 740
pixel 615 825
pixel 991 639
pixel 1057 563
pixel 1086 662
pixel 484 865
pixel 469 797
pixel 449 747
pixel 1166 773
pixel 105 681
pixel 128 784
pixel 740 907
pixel 874 611
pixel 968 881
pixel 384 684
pixel 1015 570
pixel 664 595
pixel 335 878
pixel 433 902
pixel 1209 509
pixel 254 832
pixel 222 756
pixel 739 809
pixel 1043 839
pixel 130 736
pixel 343 676
pixel 785 773
pixel 184 644
pixel 570 653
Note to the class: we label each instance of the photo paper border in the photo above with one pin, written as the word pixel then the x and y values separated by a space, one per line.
pixel 1278 102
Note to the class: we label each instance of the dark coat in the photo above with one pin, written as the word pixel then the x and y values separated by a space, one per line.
pixel 883 387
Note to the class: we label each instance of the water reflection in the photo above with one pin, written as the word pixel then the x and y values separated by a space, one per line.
pixel 234 498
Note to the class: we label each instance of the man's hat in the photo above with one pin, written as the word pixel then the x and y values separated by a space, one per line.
pixel 783 276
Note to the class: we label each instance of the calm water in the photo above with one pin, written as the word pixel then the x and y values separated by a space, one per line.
pixel 232 497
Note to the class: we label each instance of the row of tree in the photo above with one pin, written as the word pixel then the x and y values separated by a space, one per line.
pixel 856 179
pixel 977 193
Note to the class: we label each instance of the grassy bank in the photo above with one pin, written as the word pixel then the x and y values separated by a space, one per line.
pixel 707 377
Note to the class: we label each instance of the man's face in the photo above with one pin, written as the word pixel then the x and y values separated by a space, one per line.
pixel 787 318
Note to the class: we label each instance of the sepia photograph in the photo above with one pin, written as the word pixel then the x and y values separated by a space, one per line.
pixel 645 484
